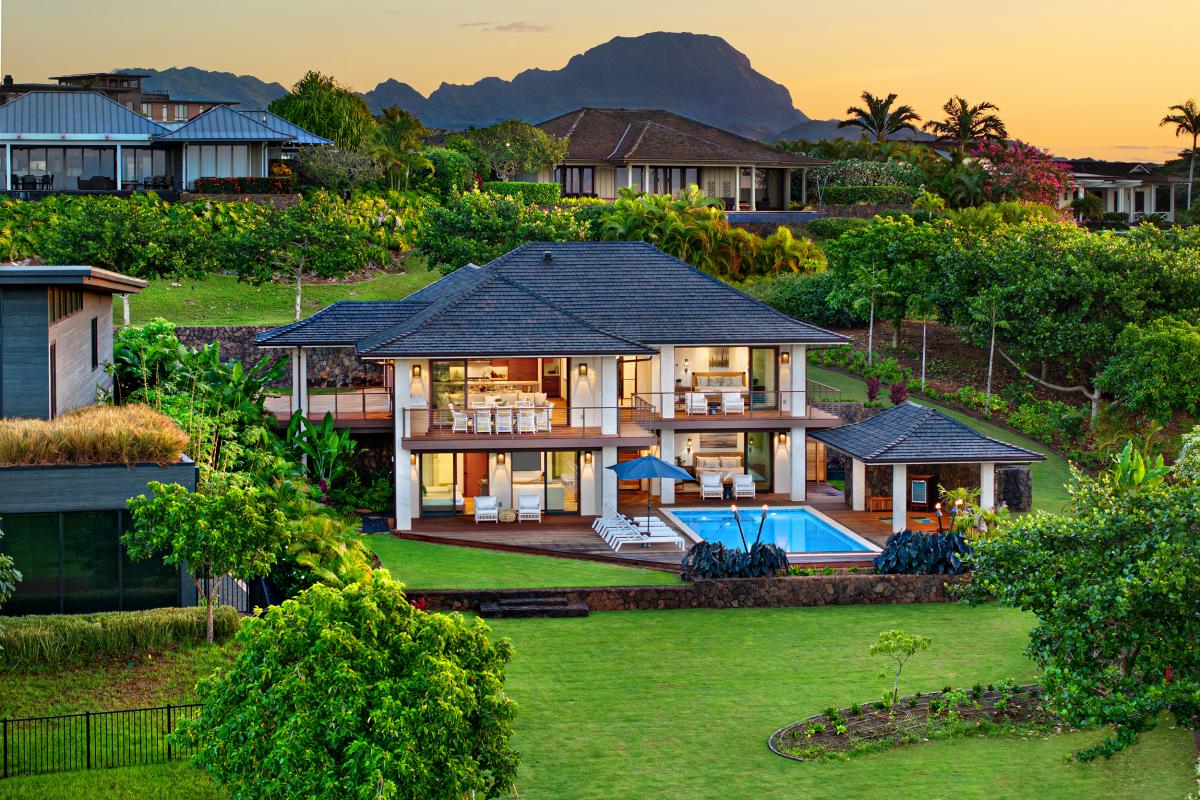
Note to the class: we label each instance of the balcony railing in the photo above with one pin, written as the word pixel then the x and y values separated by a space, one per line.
pixel 520 422
pixel 710 402
pixel 344 403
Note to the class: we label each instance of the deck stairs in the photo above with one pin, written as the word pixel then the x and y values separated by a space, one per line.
pixel 527 607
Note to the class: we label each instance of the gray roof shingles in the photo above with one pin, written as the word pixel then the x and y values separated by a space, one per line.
pixel 912 433
pixel 73 113
pixel 622 295
pixel 342 323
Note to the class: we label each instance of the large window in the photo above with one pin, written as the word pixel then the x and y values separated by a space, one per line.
pixel 576 181
pixel 73 562
pixel 61 168
pixel 448 384
pixel 552 476
pixel 439 483
pixel 218 161
pixel 672 180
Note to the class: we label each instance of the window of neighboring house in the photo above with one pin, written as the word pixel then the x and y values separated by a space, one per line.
pixel 180 112
pixel 95 344
pixel 1139 201
pixel 146 109
pixel 62 303
pixel 577 181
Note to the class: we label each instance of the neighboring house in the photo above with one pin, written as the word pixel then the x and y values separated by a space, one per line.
pixel 56 335
pixel 62 523
pixel 660 152
pixel 125 89
pixel 86 142
pixel 1127 187
pixel 535 372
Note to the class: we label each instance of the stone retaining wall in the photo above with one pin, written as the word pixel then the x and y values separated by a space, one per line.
pixel 327 366
pixel 800 591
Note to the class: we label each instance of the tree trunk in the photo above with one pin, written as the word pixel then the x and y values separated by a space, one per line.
pixel 1191 175
pixel 1045 370
pixel 924 328
pixel 125 308
pixel 987 399
pixel 299 289
pixel 871 335
pixel 210 620
pixel 896 333
pixel 1091 394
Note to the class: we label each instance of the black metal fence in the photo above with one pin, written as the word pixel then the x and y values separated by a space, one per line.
pixel 93 740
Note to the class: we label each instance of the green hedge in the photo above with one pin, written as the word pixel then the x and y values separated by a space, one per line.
pixel 833 227
pixel 72 640
pixel 274 185
pixel 868 195
pixel 542 194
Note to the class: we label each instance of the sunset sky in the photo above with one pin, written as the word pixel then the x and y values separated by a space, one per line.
pixel 1079 77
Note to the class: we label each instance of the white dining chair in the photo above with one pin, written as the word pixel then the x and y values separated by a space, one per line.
pixel 525 421
pixel 483 420
pixel 504 420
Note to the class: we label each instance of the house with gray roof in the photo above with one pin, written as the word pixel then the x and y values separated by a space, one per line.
pixel 84 141
pixel 531 374
pixel 900 456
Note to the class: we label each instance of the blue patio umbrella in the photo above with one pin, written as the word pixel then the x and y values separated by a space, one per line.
pixel 649 467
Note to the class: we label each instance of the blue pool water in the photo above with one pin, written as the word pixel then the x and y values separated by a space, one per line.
pixel 796 530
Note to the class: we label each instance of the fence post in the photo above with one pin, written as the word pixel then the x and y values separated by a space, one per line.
pixel 170 730
pixel 87 716
pixel 6 747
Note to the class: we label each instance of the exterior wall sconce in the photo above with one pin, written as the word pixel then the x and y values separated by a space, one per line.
pixel 413 459
pixel 587 457
pixel 583 370
pixel 785 357
pixel 783 438
pixel 689 444
pixel 416 370
pixel 500 458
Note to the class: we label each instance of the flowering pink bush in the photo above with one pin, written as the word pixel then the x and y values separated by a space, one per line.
pixel 1020 171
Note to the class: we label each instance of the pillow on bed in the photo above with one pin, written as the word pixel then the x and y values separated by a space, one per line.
pixel 731 461
pixel 708 462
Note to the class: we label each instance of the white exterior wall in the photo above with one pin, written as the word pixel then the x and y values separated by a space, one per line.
pixel 405 507
pixel 500 479
pixel 608 481
pixel 798 469
pixel 899 497
pixel 590 484
pixel 719 182
pixel 783 465
pixel 586 391
pixel 664 384
pixel 604 181
pixel 610 390
pixel 798 380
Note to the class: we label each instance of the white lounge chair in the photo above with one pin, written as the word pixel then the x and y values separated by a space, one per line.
pixel 743 486
pixel 483 420
pixel 710 486
pixel 695 403
pixel 529 507
pixel 615 529
pixel 487 509
pixel 504 420
pixel 525 421
pixel 732 403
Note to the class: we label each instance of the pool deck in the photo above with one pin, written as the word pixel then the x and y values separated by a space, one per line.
pixel 573 537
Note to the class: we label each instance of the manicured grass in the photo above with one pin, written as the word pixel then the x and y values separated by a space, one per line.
pixel 666 704
pixel 434 566
pixel 1050 477
pixel 222 300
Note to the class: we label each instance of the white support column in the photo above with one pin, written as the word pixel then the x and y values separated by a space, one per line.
pixel 1171 212
pixel 8 168
pixel 629 176
pixel 785 190
pixel 303 375
pixel 858 483
pixel 804 186
pixel 296 382
pixel 798 443
pixel 753 188
pixel 899 497
pixel 183 183
pixel 608 481
pixel 610 393
pixel 987 485
pixel 666 489
pixel 589 489
pixel 664 389
pixel 119 166
pixel 403 467
pixel 799 380
pixel 737 188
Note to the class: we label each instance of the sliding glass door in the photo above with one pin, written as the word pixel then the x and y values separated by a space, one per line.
pixel 764 378
pixel 552 476
pixel 439 483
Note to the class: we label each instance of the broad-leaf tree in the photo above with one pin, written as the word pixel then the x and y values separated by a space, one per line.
pixel 321 105
pixel 880 117
pixel 899 646
pixel 1113 585
pixel 965 124
pixel 355 694
pixel 10 576
pixel 1185 117
pixel 513 147
pixel 230 526
pixel 325 448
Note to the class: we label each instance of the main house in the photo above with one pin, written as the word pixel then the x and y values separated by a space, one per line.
pixel 535 372
pixel 86 142
pixel 659 152
pixel 125 88
pixel 1134 188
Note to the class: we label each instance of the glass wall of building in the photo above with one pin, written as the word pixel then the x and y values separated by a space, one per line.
pixel 553 476
pixel 727 453
pixel 439 483
pixel 64 168
pixel 73 562
pixel 219 161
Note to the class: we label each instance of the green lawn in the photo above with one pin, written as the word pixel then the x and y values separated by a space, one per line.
pixel 222 300
pixel 674 704
pixel 434 566
pixel 1050 477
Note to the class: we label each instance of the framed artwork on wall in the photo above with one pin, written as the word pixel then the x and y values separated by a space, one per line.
pixel 718 358
pixel 724 440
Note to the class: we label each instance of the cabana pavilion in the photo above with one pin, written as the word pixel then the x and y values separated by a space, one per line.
pixel 913 449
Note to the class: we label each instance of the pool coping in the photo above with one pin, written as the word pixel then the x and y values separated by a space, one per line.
pixel 793 558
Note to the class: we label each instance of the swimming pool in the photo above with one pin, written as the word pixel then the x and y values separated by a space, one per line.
pixel 798 530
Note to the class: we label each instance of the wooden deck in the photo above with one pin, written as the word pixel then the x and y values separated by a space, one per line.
pixel 573 537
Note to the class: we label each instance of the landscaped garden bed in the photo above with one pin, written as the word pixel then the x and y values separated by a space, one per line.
pixel 870 727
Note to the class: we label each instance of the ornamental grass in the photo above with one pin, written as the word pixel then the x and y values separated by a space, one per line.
pixel 132 434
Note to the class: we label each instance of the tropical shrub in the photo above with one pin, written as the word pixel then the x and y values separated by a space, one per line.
pixel 75 640
pixel 132 434
pixel 898 646
pixel 833 227
pixel 887 371
pixel 1155 368
pixel 279 184
pixel 916 553
pixel 868 195
pixel 480 226
pixel 321 548
pixel 1048 420
pixel 898 393
pixel 1111 587
pixel 1187 465
pixel 320 105
pixel 803 296
pixel 353 493
pixel 1020 171
pixel 10 576
pixel 513 147
pixel 336 170
pixel 354 693
pixel 541 194
pixel 324 448
pixel 863 172
pixel 714 560
pixel 453 172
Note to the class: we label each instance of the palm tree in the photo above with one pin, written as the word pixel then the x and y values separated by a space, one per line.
pixel 879 120
pixel 965 123
pixel 1187 123
pixel 397 144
